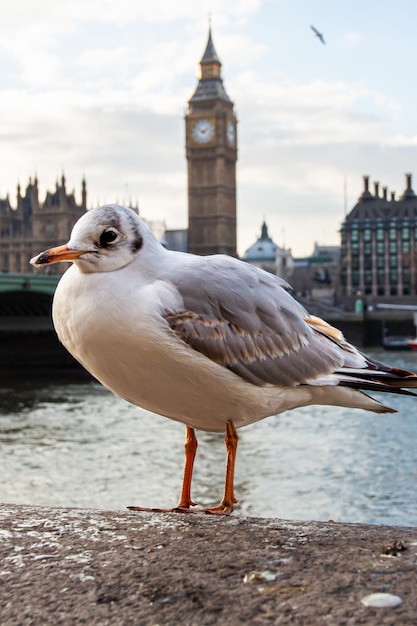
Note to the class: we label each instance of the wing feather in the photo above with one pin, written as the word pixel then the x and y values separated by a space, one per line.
pixel 245 320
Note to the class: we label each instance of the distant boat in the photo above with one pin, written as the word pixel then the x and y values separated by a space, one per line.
pixel 412 344
pixel 398 342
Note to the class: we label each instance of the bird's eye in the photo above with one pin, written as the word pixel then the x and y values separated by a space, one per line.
pixel 107 237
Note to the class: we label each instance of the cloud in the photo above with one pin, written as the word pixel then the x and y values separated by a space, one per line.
pixel 128 11
pixel 401 141
pixel 314 112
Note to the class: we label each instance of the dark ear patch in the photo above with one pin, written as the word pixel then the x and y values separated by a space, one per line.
pixel 136 243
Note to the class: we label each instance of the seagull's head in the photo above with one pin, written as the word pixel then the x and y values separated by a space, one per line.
pixel 104 239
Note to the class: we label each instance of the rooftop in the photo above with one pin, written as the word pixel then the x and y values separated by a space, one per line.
pixel 264 249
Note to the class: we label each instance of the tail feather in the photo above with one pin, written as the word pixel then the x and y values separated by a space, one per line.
pixel 377 376
pixel 404 378
pixel 374 385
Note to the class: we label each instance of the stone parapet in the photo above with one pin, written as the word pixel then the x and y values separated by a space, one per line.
pixel 79 566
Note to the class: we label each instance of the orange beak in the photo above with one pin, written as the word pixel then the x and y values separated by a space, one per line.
pixel 53 255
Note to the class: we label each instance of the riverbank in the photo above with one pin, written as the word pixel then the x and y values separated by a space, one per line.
pixel 80 566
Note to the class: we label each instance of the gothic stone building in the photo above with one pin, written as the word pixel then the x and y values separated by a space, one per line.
pixel 379 248
pixel 33 226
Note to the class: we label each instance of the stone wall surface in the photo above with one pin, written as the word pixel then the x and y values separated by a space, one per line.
pixel 79 566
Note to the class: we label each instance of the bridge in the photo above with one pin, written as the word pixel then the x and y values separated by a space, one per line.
pixel 29 346
pixel 25 301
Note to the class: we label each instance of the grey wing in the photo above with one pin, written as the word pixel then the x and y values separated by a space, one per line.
pixel 244 319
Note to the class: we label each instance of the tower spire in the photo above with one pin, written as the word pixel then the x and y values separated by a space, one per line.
pixel 210 56
pixel 210 84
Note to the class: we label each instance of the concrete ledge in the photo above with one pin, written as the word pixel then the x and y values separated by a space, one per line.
pixel 79 566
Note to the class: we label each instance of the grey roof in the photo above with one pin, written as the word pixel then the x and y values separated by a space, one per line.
pixel 376 207
pixel 210 88
pixel 263 250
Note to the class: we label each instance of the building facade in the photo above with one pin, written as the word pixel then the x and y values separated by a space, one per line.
pixel 33 226
pixel 379 247
pixel 211 150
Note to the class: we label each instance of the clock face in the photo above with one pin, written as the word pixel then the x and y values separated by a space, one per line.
pixel 203 131
pixel 231 134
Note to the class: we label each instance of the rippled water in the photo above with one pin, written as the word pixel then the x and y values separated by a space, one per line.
pixel 76 444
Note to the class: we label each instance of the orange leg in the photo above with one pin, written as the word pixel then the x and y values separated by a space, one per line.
pixel 185 499
pixel 226 505
pixel 190 452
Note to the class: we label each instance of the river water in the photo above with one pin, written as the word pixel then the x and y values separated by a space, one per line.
pixel 75 444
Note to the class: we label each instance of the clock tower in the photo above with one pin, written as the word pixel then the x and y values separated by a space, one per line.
pixel 211 149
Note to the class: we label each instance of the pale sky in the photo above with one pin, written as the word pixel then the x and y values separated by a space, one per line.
pixel 99 88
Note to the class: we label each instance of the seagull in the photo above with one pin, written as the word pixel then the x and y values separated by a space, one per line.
pixel 318 34
pixel 212 342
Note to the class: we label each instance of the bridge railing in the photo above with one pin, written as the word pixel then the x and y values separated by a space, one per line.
pixel 39 283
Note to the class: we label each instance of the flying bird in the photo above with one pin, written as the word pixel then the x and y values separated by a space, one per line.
pixel 212 342
pixel 318 34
